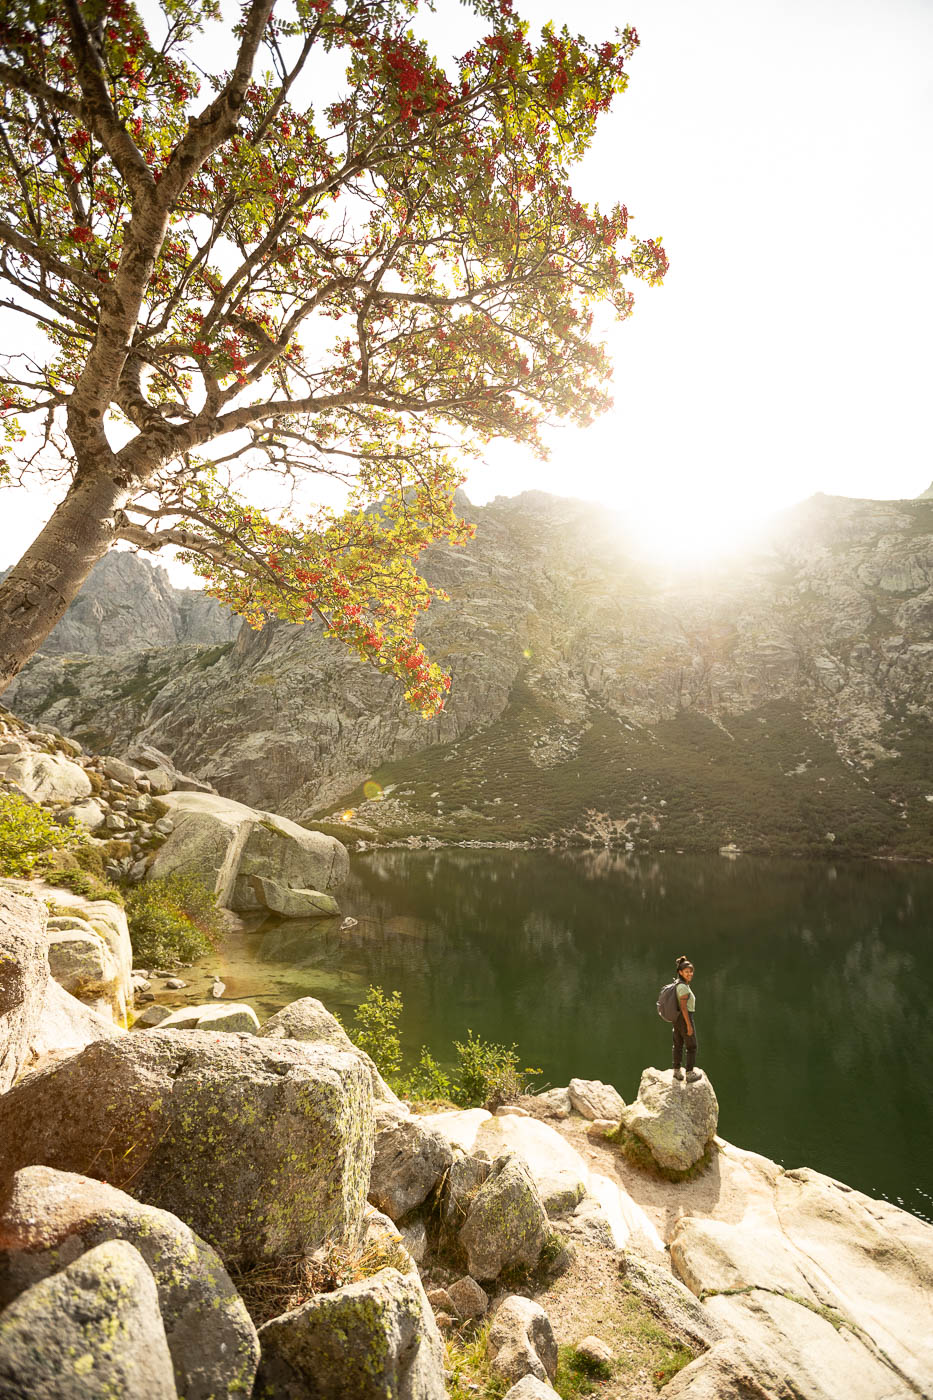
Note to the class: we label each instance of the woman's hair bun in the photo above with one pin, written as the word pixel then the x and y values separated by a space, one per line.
pixel 681 961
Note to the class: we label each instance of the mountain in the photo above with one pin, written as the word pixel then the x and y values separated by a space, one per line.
pixel 781 702
pixel 129 603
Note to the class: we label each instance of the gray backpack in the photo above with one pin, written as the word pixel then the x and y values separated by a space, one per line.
pixel 667 1003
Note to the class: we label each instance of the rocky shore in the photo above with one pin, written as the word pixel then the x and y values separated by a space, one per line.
pixel 219 1212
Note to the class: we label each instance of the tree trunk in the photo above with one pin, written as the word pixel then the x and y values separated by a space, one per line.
pixel 35 593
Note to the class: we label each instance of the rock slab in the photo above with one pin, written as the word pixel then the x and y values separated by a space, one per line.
pixel 593 1099
pixel 263 1147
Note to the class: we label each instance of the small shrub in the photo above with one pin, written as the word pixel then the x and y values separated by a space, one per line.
pixel 375 1030
pixel 488 1073
pixel 27 832
pixel 172 920
pixel 80 882
pixel 426 1080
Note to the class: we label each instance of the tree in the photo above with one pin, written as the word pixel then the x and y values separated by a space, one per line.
pixel 228 278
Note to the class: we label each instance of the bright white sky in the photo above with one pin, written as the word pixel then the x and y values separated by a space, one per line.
pixel 783 149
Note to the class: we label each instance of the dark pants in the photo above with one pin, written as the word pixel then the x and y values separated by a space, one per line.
pixel 682 1040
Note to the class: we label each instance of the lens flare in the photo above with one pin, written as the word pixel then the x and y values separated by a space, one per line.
pixel 372 791
pixel 348 815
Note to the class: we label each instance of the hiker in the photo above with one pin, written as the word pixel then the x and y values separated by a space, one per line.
pixel 685 1031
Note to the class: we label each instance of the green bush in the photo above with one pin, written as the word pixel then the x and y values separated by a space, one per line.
pixel 488 1072
pixel 27 832
pixel 426 1081
pixel 375 1030
pixel 172 920
pixel 81 882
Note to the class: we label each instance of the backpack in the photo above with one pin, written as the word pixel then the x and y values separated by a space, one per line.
pixel 667 1003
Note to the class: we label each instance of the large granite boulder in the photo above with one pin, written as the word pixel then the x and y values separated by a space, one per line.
pixel 45 777
pixel 107 921
pixel 593 1099
pixel 252 860
pixel 24 977
pixel 372 1340
pixel 521 1340
pixel 91 1331
pixel 263 1147
pixel 675 1120
pixel 506 1221
pixel 409 1162
pixel 82 963
pixel 819 1283
pixel 309 1019
pixel 66 1026
pixel 49 1218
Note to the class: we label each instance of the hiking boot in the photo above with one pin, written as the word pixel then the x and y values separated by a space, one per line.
pixel 693 1075
pixel 678 1073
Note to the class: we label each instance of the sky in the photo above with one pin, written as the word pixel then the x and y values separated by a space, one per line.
pixel 782 148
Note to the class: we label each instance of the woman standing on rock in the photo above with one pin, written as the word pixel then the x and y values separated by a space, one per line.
pixel 685 1032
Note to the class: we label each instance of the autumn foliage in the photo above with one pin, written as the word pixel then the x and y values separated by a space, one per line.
pixel 233 280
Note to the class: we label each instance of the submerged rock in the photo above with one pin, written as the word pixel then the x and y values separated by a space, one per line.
pixel 90 1331
pixel 372 1340
pixel 521 1340
pixel 49 1218
pixel 263 1147
pixel 675 1120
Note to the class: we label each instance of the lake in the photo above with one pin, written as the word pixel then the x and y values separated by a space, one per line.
pixel 813 984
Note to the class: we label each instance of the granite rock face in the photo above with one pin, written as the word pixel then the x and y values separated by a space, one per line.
pixel 48 1219
pixel 308 1019
pixel 252 860
pixel 91 1330
pixel 592 1099
pixel 409 1161
pixel 372 1340
pixel 262 1146
pixel 24 978
pixel 575 656
pixel 675 1120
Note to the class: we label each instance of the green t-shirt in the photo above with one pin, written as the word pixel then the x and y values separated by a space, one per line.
pixel 685 994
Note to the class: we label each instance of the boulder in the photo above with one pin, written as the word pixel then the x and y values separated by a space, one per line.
pixel 88 814
pixel 558 1170
pixel 676 1121
pixel 465 1177
pixel 263 1147
pixel 49 1218
pixel 227 1016
pixel 90 1331
pixel 530 1388
pixel 293 903
pixel 552 1103
pixel 408 1163
pixel 595 1350
pixel 309 1019
pixel 66 1025
pixel 108 920
pixel 506 1222
pixel 45 777
pixel 415 1238
pixel 120 771
pixel 234 849
pixel 468 1299
pixel 82 963
pixel 154 1015
pixel 24 977
pixel 521 1340
pixel 372 1340
pixel 593 1099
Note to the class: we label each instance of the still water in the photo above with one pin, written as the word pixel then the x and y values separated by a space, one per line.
pixel 814 984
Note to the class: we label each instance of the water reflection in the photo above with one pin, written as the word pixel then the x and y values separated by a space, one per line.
pixel 809 983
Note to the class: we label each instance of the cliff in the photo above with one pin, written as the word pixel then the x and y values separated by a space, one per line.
pixel 780 701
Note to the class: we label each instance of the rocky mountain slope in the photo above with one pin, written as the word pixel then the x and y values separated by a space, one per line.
pixel 129 603
pixel 782 701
